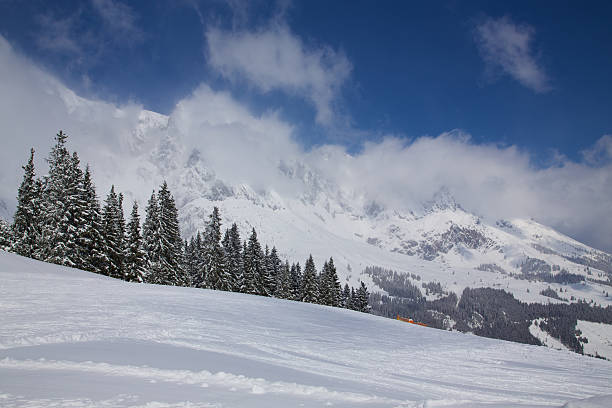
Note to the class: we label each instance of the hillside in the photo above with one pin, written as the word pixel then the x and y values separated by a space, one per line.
pixel 71 338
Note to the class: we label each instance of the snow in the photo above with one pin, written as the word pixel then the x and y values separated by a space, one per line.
pixel 544 337
pixel 71 338
pixel 599 337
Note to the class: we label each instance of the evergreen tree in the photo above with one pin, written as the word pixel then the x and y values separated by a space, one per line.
pixel 346 297
pixel 283 284
pixel 363 297
pixel 296 281
pixel 245 275
pixel 234 263
pixel 253 266
pixel 216 277
pixel 92 237
pixel 324 290
pixel 353 301
pixel 55 209
pixel 77 249
pixel 310 289
pixel 273 268
pixel 26 225
pixel 267 273
pixel 113 237
pixel 171 272
pixel 332 284
pixel 152 241
pixel 135 257
pixel 6 235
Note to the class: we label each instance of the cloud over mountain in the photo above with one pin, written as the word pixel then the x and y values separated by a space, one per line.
pixel 241 147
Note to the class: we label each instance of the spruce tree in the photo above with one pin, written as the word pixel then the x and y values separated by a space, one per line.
pixel 296 281
pixel 26 224
pixel 324 290
pixel 6 235
pixel 272 271
pixel 283 284
pixel 171 272
pixel 253 266
pixel 332 284
pixel 134 257
pixel 92 238
pixel 152 241
pixel 55 209
pixel 216 277
pixel 363 298
pixel 113 236
pixel 77 227
pixel 234 263
pixel 310 289
pixel 345 298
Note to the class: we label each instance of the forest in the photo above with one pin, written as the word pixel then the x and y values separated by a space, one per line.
pixel 60 220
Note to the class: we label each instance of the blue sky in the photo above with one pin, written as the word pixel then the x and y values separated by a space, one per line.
pixel 409 68
pixel 507 106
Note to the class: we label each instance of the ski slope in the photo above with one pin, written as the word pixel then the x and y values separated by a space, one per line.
pixel 72 338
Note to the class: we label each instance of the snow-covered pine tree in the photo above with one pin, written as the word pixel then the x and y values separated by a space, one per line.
pixel 77 246
pixel 267 272
pixel 235 265
pixel 245 275
pixel 363 298
pixel 324 292
pixel 333 285
pixel 216 276
pixel 6 235
pixel 113 236
pixel 152 241
pixel 283 283
pixel 134 257
pixel 171 249
pixel 253 266
pixel 26 222
pixel 310 289
pixel 353 301
pixel 122 228
pixel 346 297
pixel 55 209
pixel 296 281
pixel 273 270
pixel 92 238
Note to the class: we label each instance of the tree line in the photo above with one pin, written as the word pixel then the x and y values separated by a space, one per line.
pixel 60 220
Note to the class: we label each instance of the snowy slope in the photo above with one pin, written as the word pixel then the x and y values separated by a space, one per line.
pixel 71 338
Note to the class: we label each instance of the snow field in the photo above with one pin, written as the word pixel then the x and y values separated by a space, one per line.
pixel 71 338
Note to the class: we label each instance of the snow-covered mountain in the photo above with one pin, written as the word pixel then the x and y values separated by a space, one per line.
pixel 73 338
pixel 302 211
pixel 438 239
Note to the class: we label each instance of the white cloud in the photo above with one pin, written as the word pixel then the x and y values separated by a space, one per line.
pixel 57 34
pixel 494 181
pixel 275 59
pixel 120 20
pixel 507 46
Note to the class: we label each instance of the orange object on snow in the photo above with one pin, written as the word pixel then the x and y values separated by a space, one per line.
pixel 404 319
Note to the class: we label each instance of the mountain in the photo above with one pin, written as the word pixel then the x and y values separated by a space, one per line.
pixel 311 213
pixel 72 338
pixel 440 246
